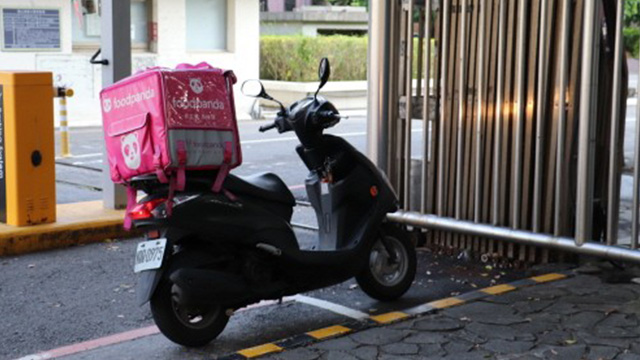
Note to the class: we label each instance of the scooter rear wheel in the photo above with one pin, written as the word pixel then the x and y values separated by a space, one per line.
pixel 186 325
pixel 383 278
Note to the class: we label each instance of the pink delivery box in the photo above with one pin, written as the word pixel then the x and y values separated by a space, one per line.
pixel 163 120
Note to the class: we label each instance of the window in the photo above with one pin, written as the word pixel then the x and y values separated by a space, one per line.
pixel 206 25
pixel 86 26
pixel 289 5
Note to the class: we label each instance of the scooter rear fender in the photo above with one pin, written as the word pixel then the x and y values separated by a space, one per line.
pixel 147 283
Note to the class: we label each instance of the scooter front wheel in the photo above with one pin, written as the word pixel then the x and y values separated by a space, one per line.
pixel 191 326
pixel 391 267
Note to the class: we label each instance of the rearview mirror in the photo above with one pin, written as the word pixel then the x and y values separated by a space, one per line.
pixel 254 88
pixel 324 72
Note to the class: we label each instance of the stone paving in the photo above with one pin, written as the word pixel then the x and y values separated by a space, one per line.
pixel 583 317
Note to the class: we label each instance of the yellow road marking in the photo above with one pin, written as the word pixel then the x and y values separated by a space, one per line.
pixel 260 350
pixel 328 332
pixel 498 289
pixel 389 317
pixel 445 303
pixel 548 277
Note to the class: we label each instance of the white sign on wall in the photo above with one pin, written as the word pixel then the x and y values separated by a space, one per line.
pixel 31 29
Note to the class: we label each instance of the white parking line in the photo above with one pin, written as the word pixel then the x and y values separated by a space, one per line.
pixel 333 307
pixel 291 138
pixel 79 156
pixel 87 162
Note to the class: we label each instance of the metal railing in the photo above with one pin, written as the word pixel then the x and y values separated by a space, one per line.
pixel 522 111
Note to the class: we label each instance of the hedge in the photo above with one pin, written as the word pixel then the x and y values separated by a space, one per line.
pixel 296 57
pixel 631 41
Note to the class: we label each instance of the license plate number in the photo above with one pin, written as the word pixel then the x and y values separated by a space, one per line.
pixel 149 255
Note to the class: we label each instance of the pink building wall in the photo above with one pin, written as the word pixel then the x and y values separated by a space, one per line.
pixel 279 5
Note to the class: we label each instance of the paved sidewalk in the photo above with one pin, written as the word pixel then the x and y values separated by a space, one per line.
pixel 583 317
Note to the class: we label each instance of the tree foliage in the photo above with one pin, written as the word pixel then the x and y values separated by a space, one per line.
pixel 632 12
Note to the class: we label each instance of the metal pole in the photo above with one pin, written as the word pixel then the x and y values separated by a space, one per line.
pixel 420 58
pixel 426 108
pixel 584 203
pixel 562 115
pixel 520 106
pixel 636 176
pixel 480 113
pixel 540 116
pixel 379 72
pixel 409 108
pixel 497 158
pixel 446 7
pixel 435 222
pixel 116 49
pixel 461 108
pixel 614 155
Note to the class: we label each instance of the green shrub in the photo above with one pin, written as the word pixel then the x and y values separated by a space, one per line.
pixel 296 58
pixel 632 41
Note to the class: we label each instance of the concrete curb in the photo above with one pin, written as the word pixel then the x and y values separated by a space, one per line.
pixel 77 223
pixel 348 328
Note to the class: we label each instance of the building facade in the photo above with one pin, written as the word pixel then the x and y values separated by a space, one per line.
pixel 61 36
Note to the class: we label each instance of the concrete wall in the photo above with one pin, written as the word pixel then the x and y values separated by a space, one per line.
pixel 71 67
pixel 307 20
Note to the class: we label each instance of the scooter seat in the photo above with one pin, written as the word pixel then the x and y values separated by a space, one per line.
pixel 267 186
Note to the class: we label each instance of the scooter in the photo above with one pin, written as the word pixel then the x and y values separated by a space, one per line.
pixel 218 252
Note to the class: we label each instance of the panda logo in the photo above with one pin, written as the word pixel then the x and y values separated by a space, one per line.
pixel 196 85
pixel 106 105
pixel 130 148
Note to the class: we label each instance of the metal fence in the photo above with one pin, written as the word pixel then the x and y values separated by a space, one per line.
pixel 518 109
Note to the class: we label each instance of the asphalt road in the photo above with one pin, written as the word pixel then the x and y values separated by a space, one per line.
pixel 63 297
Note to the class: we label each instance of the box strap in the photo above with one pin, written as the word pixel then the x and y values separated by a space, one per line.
pixel 131 202
pixel 182 163
pixel 225 168
pixel 157 164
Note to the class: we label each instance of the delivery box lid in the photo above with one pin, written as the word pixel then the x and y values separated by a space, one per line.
pixel 21 78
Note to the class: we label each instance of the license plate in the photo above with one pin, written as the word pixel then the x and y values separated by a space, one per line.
pixel 149 255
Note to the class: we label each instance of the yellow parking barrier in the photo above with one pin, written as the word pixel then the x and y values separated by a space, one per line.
pixel 63 93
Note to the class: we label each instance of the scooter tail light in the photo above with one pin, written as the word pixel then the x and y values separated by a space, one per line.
pixel 145 210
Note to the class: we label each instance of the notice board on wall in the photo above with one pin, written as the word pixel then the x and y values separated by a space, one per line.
pixel 31 29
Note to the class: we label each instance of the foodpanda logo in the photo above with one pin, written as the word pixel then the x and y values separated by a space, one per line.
pixel 198 104
pixel 131 99
pixel 196 85
pixel 106 105
pixel 130 147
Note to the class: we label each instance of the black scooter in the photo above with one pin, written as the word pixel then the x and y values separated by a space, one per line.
pixel 220 252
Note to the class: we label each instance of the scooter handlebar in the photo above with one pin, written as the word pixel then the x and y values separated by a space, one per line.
pixel 268 127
